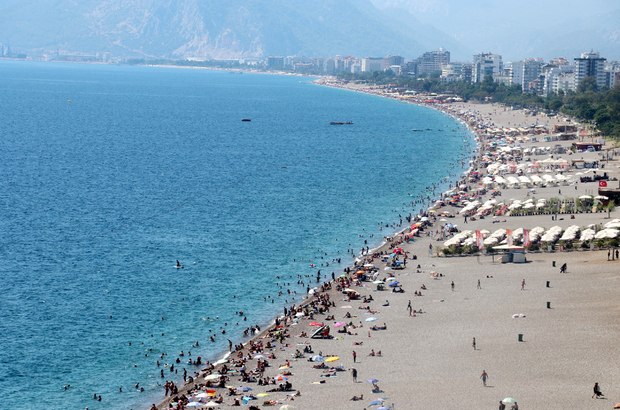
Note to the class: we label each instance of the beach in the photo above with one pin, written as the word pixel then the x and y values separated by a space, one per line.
pixel 549 356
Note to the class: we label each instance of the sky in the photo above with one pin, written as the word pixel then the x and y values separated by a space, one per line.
pixel 524 28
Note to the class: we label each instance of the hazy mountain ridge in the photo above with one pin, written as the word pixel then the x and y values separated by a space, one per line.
pixel 213 29
pixel 531 28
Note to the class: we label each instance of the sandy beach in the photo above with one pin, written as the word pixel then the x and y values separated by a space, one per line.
pixel 569 323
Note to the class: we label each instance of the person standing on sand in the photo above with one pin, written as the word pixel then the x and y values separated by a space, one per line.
pixel 473 344
pixel 452 286
pixel 354 356
pixel 522 284
pixel 479 287
pixel 354 374
pixel 484 376
pixel 502 406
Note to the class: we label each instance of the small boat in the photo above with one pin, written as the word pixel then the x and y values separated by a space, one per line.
pixel 336 123
pixel 246 120
pixel 349 123
pixel 415 129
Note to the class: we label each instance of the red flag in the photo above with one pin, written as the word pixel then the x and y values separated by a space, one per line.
pixel 602 184
pixel 479 240
pixel 526 237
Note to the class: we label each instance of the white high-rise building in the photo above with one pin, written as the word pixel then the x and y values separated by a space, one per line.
pixel 524 72
pixel 486 64
pixel 370 64
pixel 590 64
pixel 564 81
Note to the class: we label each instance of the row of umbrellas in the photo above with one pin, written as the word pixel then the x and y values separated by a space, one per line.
pixel 539 234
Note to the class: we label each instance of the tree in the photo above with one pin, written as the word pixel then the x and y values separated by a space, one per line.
pixel 587 84
pixel 555 105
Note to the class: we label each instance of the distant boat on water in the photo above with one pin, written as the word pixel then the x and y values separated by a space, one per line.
pixel 246 120
pixel 340 123
pixel 416 129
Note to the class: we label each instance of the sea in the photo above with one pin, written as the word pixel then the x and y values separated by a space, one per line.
pixel 110 174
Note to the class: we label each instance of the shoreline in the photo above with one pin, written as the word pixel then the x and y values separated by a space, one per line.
pixel 382 247
pixel 566 344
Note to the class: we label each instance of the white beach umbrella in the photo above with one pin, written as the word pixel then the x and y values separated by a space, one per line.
pixel 500 233
pixel 491 241
pixel 607 234
pixel 587 235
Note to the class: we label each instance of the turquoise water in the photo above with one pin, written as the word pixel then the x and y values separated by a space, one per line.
pixel 111 174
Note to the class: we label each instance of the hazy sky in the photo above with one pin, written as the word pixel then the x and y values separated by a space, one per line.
pixel 523 28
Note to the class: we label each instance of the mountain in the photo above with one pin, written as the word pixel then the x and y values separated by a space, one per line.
pixel 214 28
pixel 529 28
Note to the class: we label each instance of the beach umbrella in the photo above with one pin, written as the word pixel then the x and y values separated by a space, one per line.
pixel 376 402
pixel 194 404
pixel 259 356
pixel 202 395
pixel 318 358
pixel 350 290
pixel 383 408
pixel 389 279
pixel 244 388
pixel 394 283
pixel 286 407
pixel 585 197
pixel 212 404
pixel 331 359
pixel 509 400
pixel 212 376
pixel 378 282
pixel 339 324
pixel 371 319
pixel 315 324
pixel 372 381
pixel 281 378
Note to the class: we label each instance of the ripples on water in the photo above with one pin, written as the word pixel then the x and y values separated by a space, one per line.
pixel 101 195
